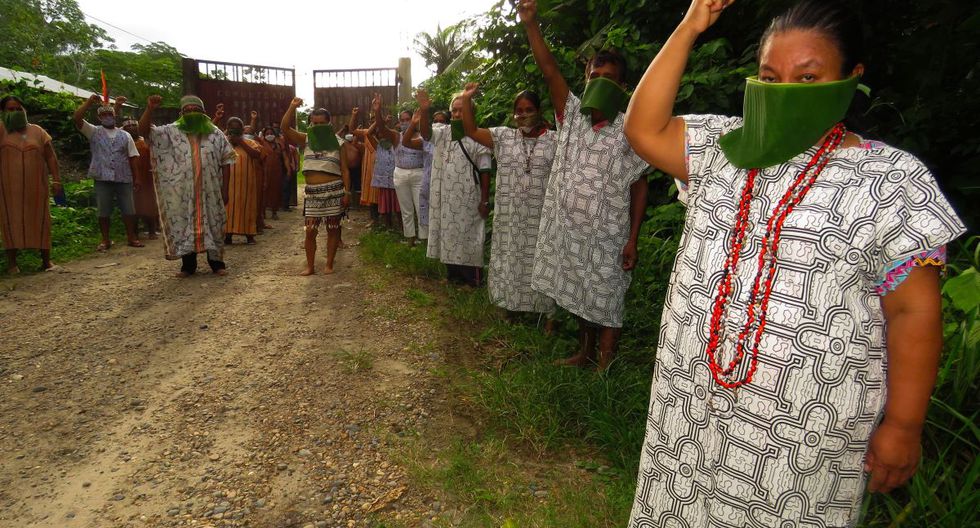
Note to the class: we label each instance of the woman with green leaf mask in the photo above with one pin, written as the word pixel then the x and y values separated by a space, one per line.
pixel 27 157
pixel 327 192
pixel 802 327
pixel 524 157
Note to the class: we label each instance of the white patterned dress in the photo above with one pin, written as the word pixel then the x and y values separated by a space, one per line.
pixel 456 229
pixel 786 450
pixel 585 222
pixel 523 168
pixel 187 177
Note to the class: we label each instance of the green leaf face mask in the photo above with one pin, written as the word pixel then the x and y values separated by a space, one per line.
pixel 322 138
pixel 195 123
pixel 15 120
pixel 606 96
pixel 456 127
pixel 783 120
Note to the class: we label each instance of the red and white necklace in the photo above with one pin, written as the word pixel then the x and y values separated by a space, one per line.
pixel 766 271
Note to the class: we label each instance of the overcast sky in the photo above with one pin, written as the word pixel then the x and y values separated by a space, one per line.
pixel 303 34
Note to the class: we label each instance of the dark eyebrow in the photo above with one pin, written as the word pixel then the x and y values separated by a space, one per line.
pixel 810 63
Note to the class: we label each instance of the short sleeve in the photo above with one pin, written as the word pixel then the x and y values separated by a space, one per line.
pixel 131 146
pixel 499 135
pixel 701 133
pixel 912 217
pixel 87 129
pixel 159 138
pixel 226 153
pixel 484 160
pixel 573 106
pixel 440 133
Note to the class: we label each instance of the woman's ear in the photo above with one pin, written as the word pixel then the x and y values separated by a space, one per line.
pixel 858 70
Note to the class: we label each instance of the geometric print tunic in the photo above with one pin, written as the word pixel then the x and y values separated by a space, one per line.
pixel 523 168
pixel 585 220
pixel 786 450
pixel 456 229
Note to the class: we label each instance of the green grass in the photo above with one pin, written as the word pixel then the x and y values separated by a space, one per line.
pixel 495 490
pixel 532 404
pixel 74 230
pixel 419 298
pixel 384 247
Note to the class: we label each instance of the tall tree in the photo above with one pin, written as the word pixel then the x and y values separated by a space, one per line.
pixel 146 70
pixel 441 48
pixel 49 37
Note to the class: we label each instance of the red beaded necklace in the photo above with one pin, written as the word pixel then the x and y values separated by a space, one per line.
pixel 766 264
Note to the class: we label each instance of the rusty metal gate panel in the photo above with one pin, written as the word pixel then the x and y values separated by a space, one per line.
pixel 340 90
pixel 241 88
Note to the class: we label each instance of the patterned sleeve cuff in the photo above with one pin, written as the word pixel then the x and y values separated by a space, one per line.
pixel 899 271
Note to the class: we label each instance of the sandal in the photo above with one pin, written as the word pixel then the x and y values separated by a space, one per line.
pixel 136 244
pixel 104 246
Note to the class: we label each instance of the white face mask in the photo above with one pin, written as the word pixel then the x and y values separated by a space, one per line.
pixel 270 138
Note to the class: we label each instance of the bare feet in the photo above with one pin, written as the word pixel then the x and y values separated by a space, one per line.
pixel 104 245
pixel 13 270
pixel 328 270
pixel 549 327
pixel 307 272
pixel 136 243
pixel 221 272
pixel 578 360
pixel 182 274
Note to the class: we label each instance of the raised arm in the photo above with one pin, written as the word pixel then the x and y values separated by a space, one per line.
pixel 219 114
pixel 79 116
pixel 527 10
pixel 117 106
pixel 146 120
pixel 379 125
pixel 411 138
pixel 650 127
pixel 425 125
pixel 253 120
pixel 480 135
pixel 292 135
pixel 352 122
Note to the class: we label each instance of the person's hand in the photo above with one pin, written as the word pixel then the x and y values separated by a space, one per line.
pixel 376 103
pixel 296 103
pixel 219 112
pixel 55 188
pixel 469 91
pixel 630 256
pixel 345 201
pixel 704 13
pixel 422 98
pixel 417 117
pixel 527 11
pixel 893 456
pixel 121 100
pixel 484 210
pixel 153 102
pixel 253 115
pixel 355 111
pixel 94 99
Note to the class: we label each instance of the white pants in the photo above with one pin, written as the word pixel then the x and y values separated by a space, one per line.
pixel 408 185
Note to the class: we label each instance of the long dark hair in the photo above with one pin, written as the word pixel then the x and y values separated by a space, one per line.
pixel 530 96
pixel 8 98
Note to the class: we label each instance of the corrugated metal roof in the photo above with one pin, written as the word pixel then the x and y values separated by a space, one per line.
pixel 48 84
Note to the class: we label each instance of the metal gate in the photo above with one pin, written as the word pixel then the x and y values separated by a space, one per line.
pixel 341 90
pixel 242 88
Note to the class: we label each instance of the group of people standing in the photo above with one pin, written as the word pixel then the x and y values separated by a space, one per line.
pixel 802 326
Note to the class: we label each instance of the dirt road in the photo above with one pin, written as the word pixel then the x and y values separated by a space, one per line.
pixel 132 398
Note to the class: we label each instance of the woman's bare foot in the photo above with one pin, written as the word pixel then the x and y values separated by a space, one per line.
pixel 307 272
pixel 328 270
pixel 221 272
pixel 182 274
pixel 578 360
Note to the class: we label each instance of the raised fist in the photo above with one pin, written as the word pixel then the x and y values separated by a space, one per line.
pixel 296 102
pixel 469 91
pixel 121 100
pixel 422 97
pixel 154 101
pixel 527 11
pixel 94 98
pixel 253 114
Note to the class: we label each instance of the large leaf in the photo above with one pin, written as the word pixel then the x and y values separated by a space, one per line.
pixel 964 290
